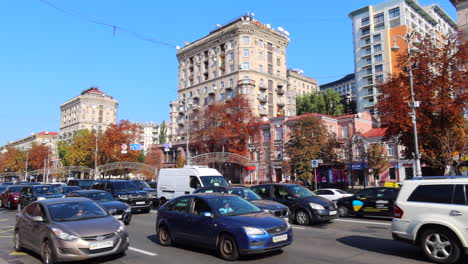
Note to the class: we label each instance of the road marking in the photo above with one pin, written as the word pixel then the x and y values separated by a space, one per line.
pixel 154 211
pixel 362 222
pixel 15 253
pixel 6 236
pixel 9 230
pixel 298 227
pixel 143 251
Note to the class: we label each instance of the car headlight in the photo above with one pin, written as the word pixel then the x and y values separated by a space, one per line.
pixel 253 230
pixel 268 211
pixel 316 206
pixel 121 227
pixel 40 198
pixel 123 196
pixel 128 209
pixel 63 236
pixel 288 224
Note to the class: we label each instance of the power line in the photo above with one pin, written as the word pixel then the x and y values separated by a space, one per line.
pixel 114 27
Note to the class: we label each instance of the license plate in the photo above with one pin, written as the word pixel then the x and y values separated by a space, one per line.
pixel 332 212
pixel 140 203
pixel 99 245
pixel 118 217
pixel 277 239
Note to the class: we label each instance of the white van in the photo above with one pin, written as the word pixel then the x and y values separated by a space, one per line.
pixel 176 182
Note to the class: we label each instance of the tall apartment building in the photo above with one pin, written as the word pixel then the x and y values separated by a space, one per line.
pixel 462 15
pixel 90 110
pixel 345 86
pixel 374 29
pixel 242 57
pixel 150 134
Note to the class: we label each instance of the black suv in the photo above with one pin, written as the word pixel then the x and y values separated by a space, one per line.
pixel 377 201
pixel 152 193
pixel 305 207
pixel 126 191
pixel 83 184
pixel 29 194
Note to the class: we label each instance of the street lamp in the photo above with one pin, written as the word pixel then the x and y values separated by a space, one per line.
pixel 96 152
pixel 187 104
pixel 411 39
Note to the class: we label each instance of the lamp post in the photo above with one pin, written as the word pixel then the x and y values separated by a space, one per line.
pixel 96 152
pixel 410 39
pixel 26 169
pixel 187 104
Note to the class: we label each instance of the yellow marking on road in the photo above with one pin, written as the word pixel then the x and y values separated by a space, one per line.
pixel 14 253
pixel 6 236
pixel 2 220
pixel 9 230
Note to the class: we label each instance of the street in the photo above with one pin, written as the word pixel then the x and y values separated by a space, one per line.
pixel 347 240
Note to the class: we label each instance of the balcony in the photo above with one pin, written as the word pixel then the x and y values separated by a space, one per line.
pixel 369 105
pixel 246 82
pixel 181 110
pixel 212 91
pixel 263 112
pixel 280 103
pixel 228 88
pixel 195 108
pixel 262 98
pixel 263 87
pixel 181 121
pixel 196 96
pixel 281 90
pixel 369 95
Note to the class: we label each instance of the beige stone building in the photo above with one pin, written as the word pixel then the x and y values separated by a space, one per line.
pixel 242 57
pixel 42 138
pixel 462 14
pixel 91 109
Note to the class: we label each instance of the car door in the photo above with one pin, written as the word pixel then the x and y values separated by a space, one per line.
pixel 206 228
pixel 26 195
pixel 280 194
pixel 385 198
pixel 327 194
pixel 177 217
pixel 263 191
pixel 458 210
pixel 25 228
pixel 364 202
pixel 39 228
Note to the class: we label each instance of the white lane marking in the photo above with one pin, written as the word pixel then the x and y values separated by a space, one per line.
pixel 143 251
pixel 154 211
pixel 362 222
pixel 298 227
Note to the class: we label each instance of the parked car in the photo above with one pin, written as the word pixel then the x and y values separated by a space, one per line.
pixel 332 194
pixel 120 211
pixel 126 191
pixel 376 201
pixel 69 229
pixel 432 213
pixel 9 197
pixel 153 184
pixel 83 184
pixel 275 208
pixel 28 183
pixel 305 207
pixel 152 193
pixel 67 189
pixel 224 222
pixel 7 183
pixel 176 182
pixel 29 194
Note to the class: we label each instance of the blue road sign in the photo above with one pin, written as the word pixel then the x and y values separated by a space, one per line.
pixel 135 146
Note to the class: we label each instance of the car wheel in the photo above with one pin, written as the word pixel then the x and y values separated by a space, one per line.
pixel 147 210
pixel 127 222
pixel 10 205
pixel 162 201
pixel 46 253
pixel 302 218
pixel 440 246
pixel 227 248
pixel 343 211
pixel 164 236
pixel 17 241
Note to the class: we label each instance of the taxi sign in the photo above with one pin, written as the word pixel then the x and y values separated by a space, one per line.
pixel 392 184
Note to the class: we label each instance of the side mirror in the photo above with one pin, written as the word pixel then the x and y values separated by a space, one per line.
pixel 112 211
pixel 37 219
pixel 207 214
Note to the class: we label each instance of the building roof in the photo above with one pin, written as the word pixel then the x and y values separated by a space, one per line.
pixel 92 90
pixel 47 133
pixel 374 132
pixel 345 79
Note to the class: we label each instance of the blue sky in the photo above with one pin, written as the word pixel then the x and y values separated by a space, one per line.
pixel 47 57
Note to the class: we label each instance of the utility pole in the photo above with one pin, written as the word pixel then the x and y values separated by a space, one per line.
pixel 26 168
pixel 96 153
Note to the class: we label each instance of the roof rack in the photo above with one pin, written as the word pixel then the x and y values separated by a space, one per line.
pixel 439 177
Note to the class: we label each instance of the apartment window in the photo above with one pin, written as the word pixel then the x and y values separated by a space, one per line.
pixel 345 131
pixel 379 78
pixel 379 68
pixel 205 90
pixel 231 68
pixel 378 48
pixel 191 94
pixel 261 56
pixel 279 133
pixel 278 61
pixel 368 51
pixel 222 85
pixel 270 69
pixel 231 44
pixel 245 66
pixel 379 18
pixel 365 31
pixel 370 91
pixel 395 12
pixel 390 150
pixel 245 40
pixel 222 97
pixel 278 50
pixel 266 135
pixel 261 43
pixel 289 100
pixel 246 53
pixel 365 21
pixel 231 83
pixel 371 100
pixel 289 112
pixel 378 58
pixel 367 41
pixel 379 27
pixel 262 83
pixel 231 56
pixel 278 73
pixel 377 37
pixel 394 23
pixel 260 68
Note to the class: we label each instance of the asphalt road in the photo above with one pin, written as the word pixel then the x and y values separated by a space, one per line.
pixel 348 240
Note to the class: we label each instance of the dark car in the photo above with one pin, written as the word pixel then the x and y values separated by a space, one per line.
pixel 305 207
pixel 376 201
pixel 83 184
pixel 31 193
pixel 9 197
pixel 126 191
pixel 275 208
pixel 7 183
pixel 220 221
pixel 120 211
pixel 28 183
pixel 67 189
pixel 153 184
pixel 152 193
pixel 69 229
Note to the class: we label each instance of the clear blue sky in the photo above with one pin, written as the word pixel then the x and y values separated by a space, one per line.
pixel 48 57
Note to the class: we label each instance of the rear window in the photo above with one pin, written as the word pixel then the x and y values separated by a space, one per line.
pixel 432 194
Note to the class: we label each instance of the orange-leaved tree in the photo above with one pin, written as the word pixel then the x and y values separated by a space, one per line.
pixel 111 141
pixel 37 155
pixel 14 159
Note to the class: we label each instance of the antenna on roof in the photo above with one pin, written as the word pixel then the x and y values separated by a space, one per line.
pixel 280 29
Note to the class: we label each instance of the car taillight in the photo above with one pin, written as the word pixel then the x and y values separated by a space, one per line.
pixel 397 211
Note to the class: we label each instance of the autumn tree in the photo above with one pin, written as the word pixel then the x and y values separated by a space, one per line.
pixel 80 151
pixel 439 74
pixel 2 163
pixel 327 102
pixel 376 158
pixel 154 157
pixel 309 140
pixel 37 155
pixel 180 161
pixel 14 159
pixel 110 142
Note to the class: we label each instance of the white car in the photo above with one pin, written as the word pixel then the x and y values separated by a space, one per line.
pixel 432 213
pixel 332 194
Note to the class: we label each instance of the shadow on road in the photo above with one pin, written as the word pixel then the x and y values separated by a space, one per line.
pixel 383 246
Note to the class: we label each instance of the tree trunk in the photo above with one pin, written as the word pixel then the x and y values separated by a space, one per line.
pixel 447 170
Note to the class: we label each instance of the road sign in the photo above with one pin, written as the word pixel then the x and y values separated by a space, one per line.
pixel 124 146
pixel 314 163
pixel 135 146
pixel 123 151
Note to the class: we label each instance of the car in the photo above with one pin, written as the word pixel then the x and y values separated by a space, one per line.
pixel 152 193
pixel 28 183
pixel 153 184
pixel 375 201
pixel 7 183
pixel 9 197
pixel 120 211
pixel 275 208
pixel 31 193
pixel 305 207
pixel 332 194
pixel 83 184
pixel 126 191
pixel 68 229
pixel 432 213
pixel 225 222
pixel 67 189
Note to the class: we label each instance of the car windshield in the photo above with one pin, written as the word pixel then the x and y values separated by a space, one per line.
pixel 125 186
pixel 232 205
pixel 68 189
pixel 86 182
pixel 245 193
pixel 45 190
pixel 299 191
pixel 75 211
pixel 98 196
pixel 341 192
pixel 14 189
pixel 142 184
pixel 210 181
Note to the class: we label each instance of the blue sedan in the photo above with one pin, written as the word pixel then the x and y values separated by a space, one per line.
pixel 220 221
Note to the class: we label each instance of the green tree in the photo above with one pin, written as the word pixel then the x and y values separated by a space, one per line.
pixel 141 157
pixel 80 151
pixel 163 133
pixel 327 102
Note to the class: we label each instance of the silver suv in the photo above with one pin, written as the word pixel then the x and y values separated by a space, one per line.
pixel 432 212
